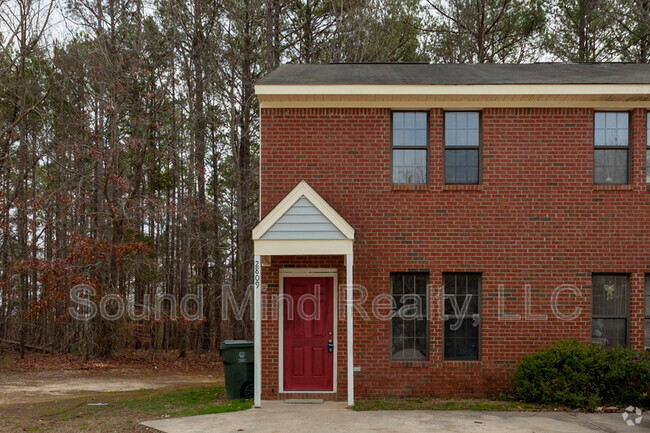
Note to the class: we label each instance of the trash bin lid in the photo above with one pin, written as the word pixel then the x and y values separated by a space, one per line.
pixel 235 344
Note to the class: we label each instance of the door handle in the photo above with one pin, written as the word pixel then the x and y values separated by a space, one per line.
pixel 330 347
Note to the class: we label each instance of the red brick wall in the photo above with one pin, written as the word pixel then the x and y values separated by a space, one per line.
pixel 536 220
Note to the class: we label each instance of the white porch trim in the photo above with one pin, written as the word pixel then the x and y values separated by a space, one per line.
pixel 308 244
pixel 301 247
pixel 350 323
pixel 257 349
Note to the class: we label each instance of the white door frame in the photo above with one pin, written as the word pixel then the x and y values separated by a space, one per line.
pixel 307 272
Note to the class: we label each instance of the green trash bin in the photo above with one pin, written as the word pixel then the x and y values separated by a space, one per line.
pixel 238 368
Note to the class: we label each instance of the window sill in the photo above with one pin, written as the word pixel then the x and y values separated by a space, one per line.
pixel 465 363
pixel 409 364
pixel 462 187
pixel 409 187
pixel 613 187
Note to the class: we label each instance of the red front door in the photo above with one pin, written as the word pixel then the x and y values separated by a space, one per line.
pixel 308 331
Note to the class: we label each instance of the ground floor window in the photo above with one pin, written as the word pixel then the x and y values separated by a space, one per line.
pixel 647 312
pixel 610 309
pixel 409 318
pixel 462 322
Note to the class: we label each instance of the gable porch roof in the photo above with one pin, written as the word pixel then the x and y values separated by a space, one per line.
pixel 303 223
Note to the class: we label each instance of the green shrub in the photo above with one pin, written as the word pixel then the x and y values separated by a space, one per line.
pixel 581 375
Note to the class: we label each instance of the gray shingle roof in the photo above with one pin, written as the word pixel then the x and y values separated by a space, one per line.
pixel 450 74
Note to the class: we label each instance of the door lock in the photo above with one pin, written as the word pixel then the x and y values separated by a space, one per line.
pixel 330 347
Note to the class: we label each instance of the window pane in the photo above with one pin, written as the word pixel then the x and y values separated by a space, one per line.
pixel 421 281
pixel 410 129
pixel 398 137
pixel 461 129
pixel 609 332
pixel 398 121
pixel 611 129
pixel 461 166
pixel 420 121
pixel 409 284
pixel 409 166
pixel 409 330
pixel 461 344
pixel 397 286
pixel 610 166
pixel 409 120
pixel 647 334
pixel 610 295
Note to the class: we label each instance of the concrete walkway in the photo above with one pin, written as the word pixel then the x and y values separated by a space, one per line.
pixel 280 417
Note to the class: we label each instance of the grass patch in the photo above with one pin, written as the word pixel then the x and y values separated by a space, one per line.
pixel 187 402
pixel 447 404
pixel 6 360
pixel 122 412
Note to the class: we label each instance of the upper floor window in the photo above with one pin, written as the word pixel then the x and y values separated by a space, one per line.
pixel 462 147
pixel 409 320
pixel 611 148
pixel 410 147
pixel 647 150
pixel 610 297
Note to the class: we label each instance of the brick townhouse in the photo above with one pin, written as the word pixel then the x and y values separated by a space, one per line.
pixel 424 226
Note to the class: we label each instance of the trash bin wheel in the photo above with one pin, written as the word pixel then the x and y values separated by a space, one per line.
pixel 248 390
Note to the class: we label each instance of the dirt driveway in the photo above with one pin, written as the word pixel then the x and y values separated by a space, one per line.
pixel 65 394
pixel 42 386
pixel 44 377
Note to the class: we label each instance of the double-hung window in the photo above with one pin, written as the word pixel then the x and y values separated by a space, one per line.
pixel 462 147
pixel 409 319
pixel 462 321
pixel 647 312
pixel 610 309
pixel 611 148
pixel 410 147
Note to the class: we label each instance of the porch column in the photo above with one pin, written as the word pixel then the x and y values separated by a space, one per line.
pixel 349 298
pixel 257 305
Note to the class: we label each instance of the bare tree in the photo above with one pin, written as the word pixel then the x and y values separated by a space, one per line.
pixel 484 31
pixel 580 30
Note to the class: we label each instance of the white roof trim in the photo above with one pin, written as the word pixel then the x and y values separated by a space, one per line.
pixel 299 247
pixel 303 189
pixel 456 89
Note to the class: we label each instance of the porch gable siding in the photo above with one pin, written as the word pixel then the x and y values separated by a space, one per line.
pixel 304 221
